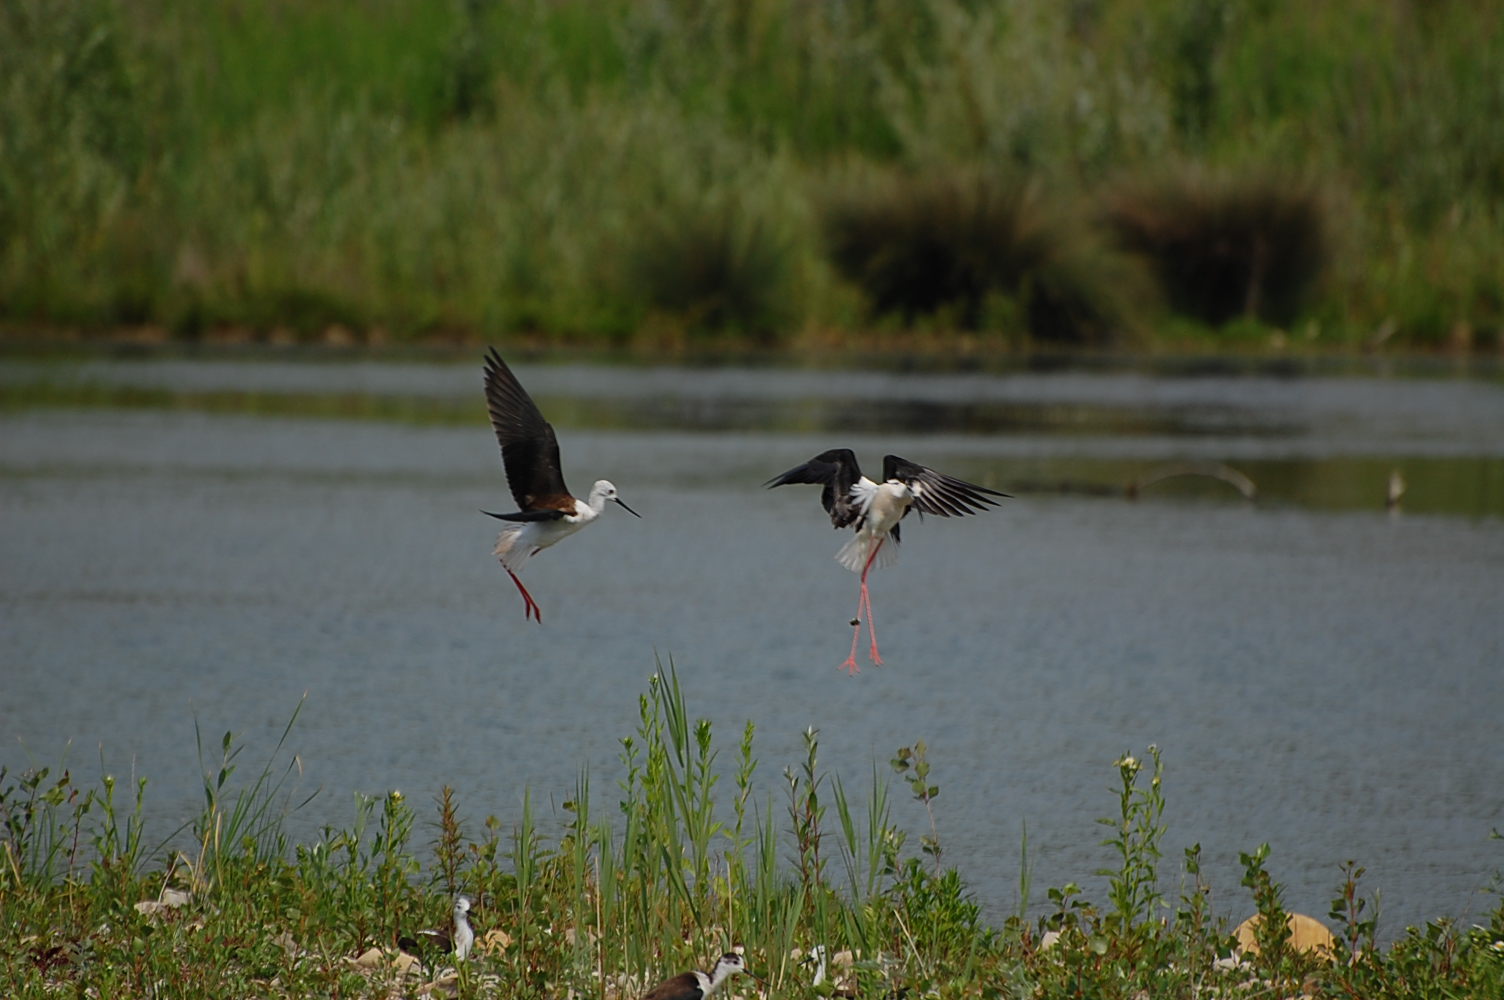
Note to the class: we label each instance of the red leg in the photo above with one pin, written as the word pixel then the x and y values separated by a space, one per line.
pixel 531 609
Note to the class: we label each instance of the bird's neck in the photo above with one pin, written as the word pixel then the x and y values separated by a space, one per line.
pixel 717 976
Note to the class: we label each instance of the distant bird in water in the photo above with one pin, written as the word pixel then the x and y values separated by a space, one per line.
pixel 530 455
pixel 696 985
pixel 457 940
pixel 1394 491
pixel 874 509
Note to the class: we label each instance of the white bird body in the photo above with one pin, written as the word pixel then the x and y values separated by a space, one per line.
pixel 458 939
pixel 464 936
pixel 882 506
pixel 519 542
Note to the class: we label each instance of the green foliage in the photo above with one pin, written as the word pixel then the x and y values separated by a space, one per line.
pixel 621 171
pixel 675 875
pixel 1357 924
pixel 709 268
pixel 974 248
pixel 1225 247
pixel 1134 885
pixel 913 766
pixel 252 819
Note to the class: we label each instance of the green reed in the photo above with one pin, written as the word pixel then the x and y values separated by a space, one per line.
pixel 692 860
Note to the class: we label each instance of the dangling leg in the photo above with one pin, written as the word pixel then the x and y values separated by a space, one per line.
pixel 864 608
pixel 856 634
pixel 867 600
pixel 531 610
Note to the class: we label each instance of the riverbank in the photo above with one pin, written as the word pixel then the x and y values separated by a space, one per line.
pixel 689 863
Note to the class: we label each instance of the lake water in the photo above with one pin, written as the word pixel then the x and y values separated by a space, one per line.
pixel 211 540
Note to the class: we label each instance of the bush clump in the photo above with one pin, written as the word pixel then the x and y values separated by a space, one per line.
pixel 965 243
pixel 1225 246
pixel 710 268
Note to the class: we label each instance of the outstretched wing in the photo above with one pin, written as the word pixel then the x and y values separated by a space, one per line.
pixel 837 471
pixel 529 450
pixel 937 493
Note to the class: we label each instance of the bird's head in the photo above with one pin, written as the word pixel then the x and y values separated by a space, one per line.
pixel 729 965
pixel 606 490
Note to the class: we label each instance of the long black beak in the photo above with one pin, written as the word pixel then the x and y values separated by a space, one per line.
pixel 624 506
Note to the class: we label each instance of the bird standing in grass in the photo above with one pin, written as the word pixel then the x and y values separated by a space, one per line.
pixel 697 985
pixel 530 455
pixel 874 510
pixel 457 940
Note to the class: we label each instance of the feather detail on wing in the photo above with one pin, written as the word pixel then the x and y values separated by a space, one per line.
pixel 529 449
pixel 939 494
pixel 837 471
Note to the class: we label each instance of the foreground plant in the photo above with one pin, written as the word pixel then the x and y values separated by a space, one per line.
pixel 612 902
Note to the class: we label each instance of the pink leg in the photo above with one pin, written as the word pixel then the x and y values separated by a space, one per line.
pixel 867 599
pixel 877 660
pixel 864 607
pixel 531 610
pixel 856 634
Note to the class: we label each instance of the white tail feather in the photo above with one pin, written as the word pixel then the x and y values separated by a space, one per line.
pixel 854 554
pixel 507 550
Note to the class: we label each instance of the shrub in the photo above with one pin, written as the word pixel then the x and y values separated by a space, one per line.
pixel 1225 246
pixel 711 266
pixel 956 240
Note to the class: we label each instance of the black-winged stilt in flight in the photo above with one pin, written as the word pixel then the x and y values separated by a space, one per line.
pixel 530 455
pixel 696 985
pixel 874 509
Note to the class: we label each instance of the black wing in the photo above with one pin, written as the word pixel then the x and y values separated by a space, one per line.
pixel 937 493
pixel 529 450
pixel 675 988
pixel 836 470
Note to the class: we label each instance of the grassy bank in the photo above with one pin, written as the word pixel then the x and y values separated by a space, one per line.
pixel 690 862
pixel 1143 172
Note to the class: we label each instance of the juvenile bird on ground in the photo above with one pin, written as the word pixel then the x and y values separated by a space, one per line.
pixel 696 985
pixel 456 940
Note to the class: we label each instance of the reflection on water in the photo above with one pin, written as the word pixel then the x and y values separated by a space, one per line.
pixel 1319 441
pixel 200 540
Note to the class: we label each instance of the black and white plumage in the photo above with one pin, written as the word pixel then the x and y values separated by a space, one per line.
pixel 456 940
pixel 874 509
pixel 696 985
pixel 530 455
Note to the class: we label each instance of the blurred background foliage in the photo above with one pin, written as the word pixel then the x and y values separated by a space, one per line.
pixel 768 173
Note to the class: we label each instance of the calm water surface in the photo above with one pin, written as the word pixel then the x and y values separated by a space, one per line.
pixel 212 540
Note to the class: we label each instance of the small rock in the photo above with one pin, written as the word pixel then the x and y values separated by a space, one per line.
pixel 1307 935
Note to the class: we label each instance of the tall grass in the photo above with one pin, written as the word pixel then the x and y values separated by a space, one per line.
pixel 691 861
pixel 408 169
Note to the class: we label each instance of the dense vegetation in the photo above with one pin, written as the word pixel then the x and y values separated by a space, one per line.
pixel 765 172
pixel 674 874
